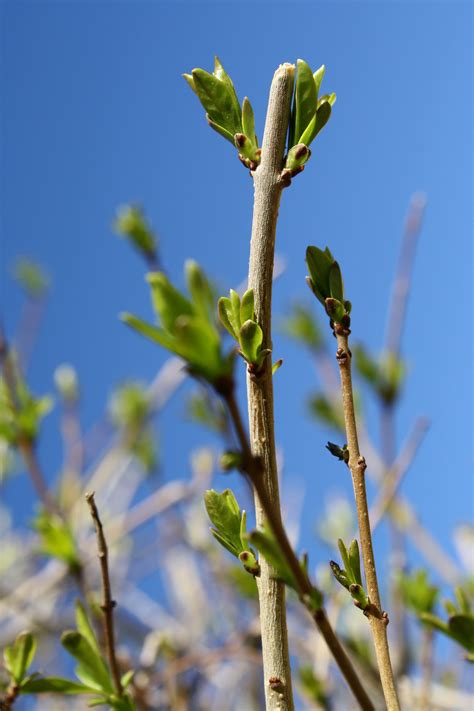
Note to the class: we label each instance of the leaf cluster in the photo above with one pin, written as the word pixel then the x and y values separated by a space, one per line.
pixel 459 625
pixel 224 113
pixel 325 281
pixel 350 576
pixel 21 412
pixel 238 318
pixel 310 113
pixel 186 325
pixel 132 224
pixel 92 671
pixel 230 527
pixel 384 374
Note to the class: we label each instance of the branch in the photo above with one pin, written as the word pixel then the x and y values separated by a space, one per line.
pixel 378 621
pixel 256 476
pixel 108 603
pixel 268 189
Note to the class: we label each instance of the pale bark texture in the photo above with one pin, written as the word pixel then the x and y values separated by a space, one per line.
pixel 268 188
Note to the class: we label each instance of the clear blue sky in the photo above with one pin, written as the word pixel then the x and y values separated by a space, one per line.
pixel 95 114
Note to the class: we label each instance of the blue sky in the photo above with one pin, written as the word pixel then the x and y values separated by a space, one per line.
pixel 95 114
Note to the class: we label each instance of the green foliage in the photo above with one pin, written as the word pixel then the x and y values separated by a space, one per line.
pixel 31 278
pixel 131 224
pixel 19 656
pixel 268 546
pixel 417 592
pixel 325 281
pixel 384 375
pixel 20 412
pixel 224 114
pixel 91 670
pixel 186 325
pixel 327 411
pixel 207 410
pixel 301 325
pixel 230 527
pixel 350 576
pixel 313 687
pixel 237 316
pixel 57 540
pixel 310 113
pixel 131 410
pixel 459 625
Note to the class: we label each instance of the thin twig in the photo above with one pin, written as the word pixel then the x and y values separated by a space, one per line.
pixel 268 188
pixel 25 446
pixel 254 472
pixel 108 603
pixel 395 477
pixel 378 621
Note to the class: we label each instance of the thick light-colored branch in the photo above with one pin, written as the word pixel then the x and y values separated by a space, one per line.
pixel 268 189
pixel 357 466
pixel 108 603
pixel 253 469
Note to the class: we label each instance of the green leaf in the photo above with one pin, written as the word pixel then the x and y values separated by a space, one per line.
pixel 318 122
pixel 305 99
pixel 57 539
pixel 247 307
pixel 461 628
pixel 354 560
pixel 220 129
pixel 55 685
pixel 319 266
pixel 223 511
pixel 266 544
pixel 157 335
pixel 84 627
pixel 250 338
pixel 218 100
pixel 302 326
pixel 248 121
pixel 318 77
pixel 336 286
pixel 199 288
pixel 340 575
pixel 235 302
pixel 31 278
pixel 91 670
pixel 226 316
pixel 345 559
pixel 127 678
pixel 334 309
pixel 169 304
pixel 358 594
pixel 132 224
pixel 19 656
pixel 222 75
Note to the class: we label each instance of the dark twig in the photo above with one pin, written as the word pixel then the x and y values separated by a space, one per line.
pixel 108 603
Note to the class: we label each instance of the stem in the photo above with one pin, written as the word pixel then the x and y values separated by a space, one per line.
pixel 268 189
pixel 357 466
pixel 108 603
pixel 256 476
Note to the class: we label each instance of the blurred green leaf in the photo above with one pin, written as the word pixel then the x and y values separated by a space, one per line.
pixel 328 412
pixel 131 224
pixel 91 670
pixel 19 656
pixel 57 539
pixel 419 595
pixel 301 325
pixel 55 685
pixel 31 278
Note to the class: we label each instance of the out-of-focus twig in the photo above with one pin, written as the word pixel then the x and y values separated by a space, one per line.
pixel 399 469
pixel 108 603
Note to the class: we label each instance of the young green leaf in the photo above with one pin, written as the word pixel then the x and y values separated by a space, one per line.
pixel 345 559
pixel 305 99
pixel 251 337
pixel 169 304
pixel 224 513
pixel 266 544
pixel 91 670
pixel 336 286
pixel 354 560
pixel 55 685
pixel 19 655
pixel 318 77
pixel 217 98
pixel 247 306
pixel 248 121
pixel 84 627
pixel 226 316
